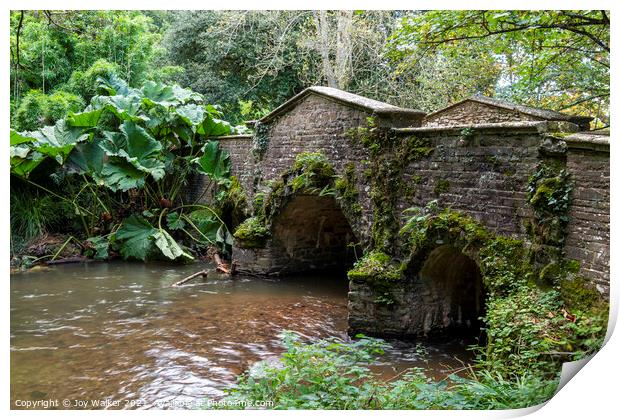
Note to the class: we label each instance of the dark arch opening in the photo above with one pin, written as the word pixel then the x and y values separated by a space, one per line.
pixel 453 295
pixel 311 234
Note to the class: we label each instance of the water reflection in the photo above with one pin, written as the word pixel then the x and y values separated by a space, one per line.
pixel 117 331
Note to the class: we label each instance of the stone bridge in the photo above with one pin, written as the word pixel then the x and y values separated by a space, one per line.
pixel 475 157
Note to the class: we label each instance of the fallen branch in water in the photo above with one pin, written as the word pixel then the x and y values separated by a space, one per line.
pixel 202 273
pixel 221 265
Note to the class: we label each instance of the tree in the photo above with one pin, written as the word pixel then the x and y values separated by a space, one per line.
pixel 553 59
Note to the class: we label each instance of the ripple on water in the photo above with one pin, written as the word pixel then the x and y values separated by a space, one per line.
pixel 117 331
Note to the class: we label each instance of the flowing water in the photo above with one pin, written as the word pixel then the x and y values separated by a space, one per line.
pixel 118 332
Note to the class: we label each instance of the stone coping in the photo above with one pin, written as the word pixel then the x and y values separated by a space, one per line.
pixel 346 98
pixel 545 114
pixel 506 127
pixel 589 140
pixel 236 137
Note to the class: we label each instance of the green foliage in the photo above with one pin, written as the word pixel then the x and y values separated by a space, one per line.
pixel 60 103
pixel 549 194
pixel 380 272
pixel 252 233
pixel 69 50
pixel 531 331
pixel 85 83
pixel 313 171
pixel 441 186
pixel 31 112
pixel 563 56
pixel 134 144
pixel 97 247
pixel 33 214
pixel 347 194
pixel 332 374
pixel 214 162
pixel 140 240
pixel 257 62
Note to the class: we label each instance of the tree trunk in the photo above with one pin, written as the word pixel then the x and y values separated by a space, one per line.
pixel 343 47
pixel 322 29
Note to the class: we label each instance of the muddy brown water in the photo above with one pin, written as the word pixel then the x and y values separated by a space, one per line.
pixel 118 332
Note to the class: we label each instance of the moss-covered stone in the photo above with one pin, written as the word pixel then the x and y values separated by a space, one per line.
pixel 252 233
pixel 380 272
pixel 441 186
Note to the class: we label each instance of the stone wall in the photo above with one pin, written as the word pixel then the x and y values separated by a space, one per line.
pixel 471 112
pixel 484 175
pixel 588 238
pixel 242 166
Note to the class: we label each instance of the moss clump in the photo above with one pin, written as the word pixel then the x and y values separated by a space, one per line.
pixel 380 272
pixel 347 192
pixel 235 204
pixel 252 233
pixel 428 227
pixel 549 194
pixel 312 169
pixel 441 186
pixel 578 294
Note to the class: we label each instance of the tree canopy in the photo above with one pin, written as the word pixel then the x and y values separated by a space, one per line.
pixel 251 61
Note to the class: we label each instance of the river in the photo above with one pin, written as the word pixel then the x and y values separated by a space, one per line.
pixel 117 331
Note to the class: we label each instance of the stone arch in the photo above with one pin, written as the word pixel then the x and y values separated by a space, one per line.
pixel 310 232
pixel 447 292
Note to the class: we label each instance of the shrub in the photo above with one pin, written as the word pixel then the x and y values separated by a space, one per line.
pixel 30 114
pixel 84 83
pixel 60 103
pixel 332 374
pixel 252 233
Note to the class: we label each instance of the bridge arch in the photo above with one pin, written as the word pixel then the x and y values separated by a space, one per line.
pixel 447 292
pixel 310 232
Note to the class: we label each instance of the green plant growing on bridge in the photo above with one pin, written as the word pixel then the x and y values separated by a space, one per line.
pixel 252 233
pixel 549 194
pixel 441 186
pixel 380 272
pixel 311 173
pixel 390 156
pixel 529 329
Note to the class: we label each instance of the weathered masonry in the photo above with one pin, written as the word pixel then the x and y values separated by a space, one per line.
pixel 332 174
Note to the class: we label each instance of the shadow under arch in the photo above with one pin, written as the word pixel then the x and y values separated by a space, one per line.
pixel 310 233
pixel 448 294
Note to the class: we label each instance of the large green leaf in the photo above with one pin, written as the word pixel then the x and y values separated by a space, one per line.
pixel 28 150
pixel 213 127
pixel 100 247
pixel 206 222
pixel 215 162
pixel 191 114
pixel 87 158
pixel 58 140
pixel 88 118
pixel 118 174
pixel 168 246
pixel 23 156
pixel 126 108
pixel 114 85
pixel 20 138
pixel 137 147
pixel 174 221
pixel 136 235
